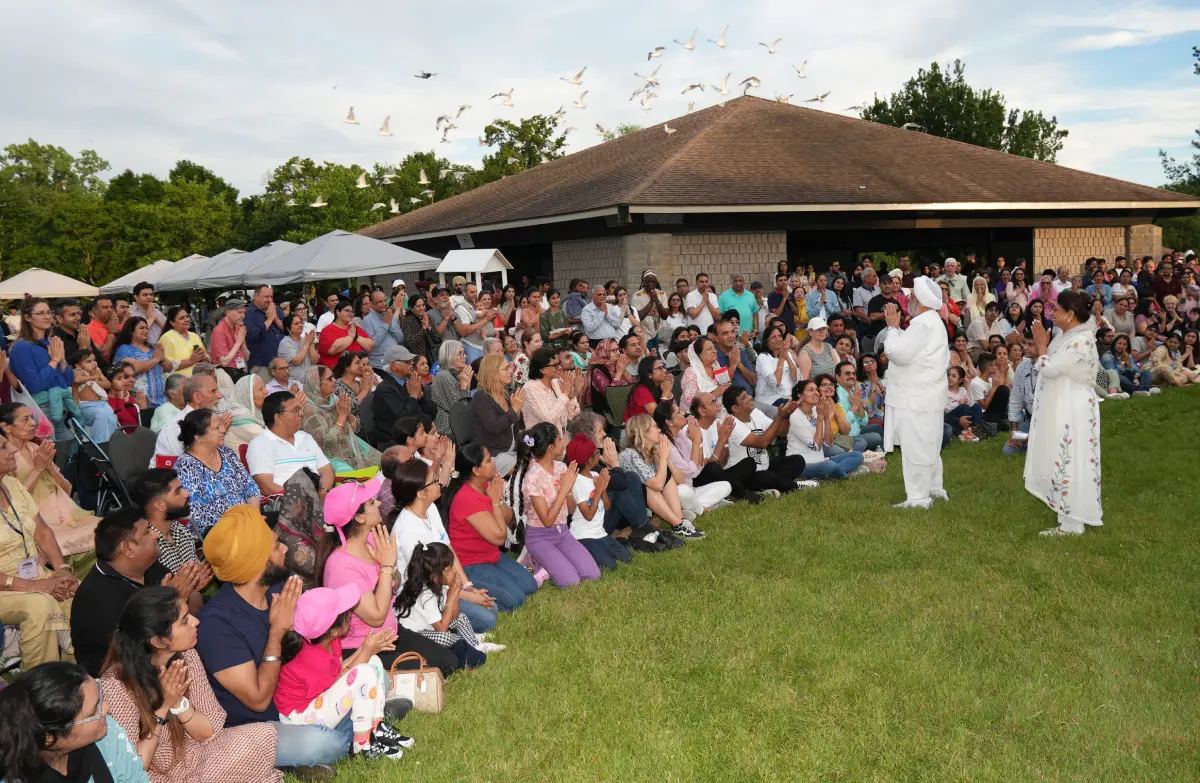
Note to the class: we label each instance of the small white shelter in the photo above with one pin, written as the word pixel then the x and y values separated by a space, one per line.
pixel 477 262
pixel 46 284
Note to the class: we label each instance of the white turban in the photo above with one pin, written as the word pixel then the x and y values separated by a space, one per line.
pixel 928 293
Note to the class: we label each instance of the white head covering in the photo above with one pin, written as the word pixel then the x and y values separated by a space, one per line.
pixel 896 273
pixel 928 293
pixel 703 382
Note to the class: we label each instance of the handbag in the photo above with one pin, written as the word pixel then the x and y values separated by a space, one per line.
pixel 424 687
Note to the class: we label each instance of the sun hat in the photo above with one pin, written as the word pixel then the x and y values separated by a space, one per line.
pixel 342 502
pixel 817 323
pixel 316 609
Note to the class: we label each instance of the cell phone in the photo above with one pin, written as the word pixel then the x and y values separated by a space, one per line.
pixel 195 348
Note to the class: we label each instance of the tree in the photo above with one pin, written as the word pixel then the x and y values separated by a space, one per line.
pixel 1184 177
pixel 532 142
pixel 624 129
pixel 943 104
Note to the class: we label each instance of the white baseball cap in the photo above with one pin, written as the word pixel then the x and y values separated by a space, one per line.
pixel 817 323
pixel 397 283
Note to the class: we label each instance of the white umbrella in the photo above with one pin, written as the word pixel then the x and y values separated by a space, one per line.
pixel 40 282
pixel 189 272
pixel 148 274
pixel 236 273
pixel 337 255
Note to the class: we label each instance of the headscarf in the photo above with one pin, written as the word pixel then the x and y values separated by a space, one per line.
pixel 312 391
pixel 703 382
pixel 239 545
pixel 602 355
pixel 241 403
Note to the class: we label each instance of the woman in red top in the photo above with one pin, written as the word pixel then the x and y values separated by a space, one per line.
pixel 651 388
pixel 120 397
pixel 479 523
pixel 341 335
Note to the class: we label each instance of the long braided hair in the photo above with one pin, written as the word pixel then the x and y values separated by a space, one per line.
pixel 533 443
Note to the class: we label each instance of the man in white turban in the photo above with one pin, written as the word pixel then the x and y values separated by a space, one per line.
pixel 918 358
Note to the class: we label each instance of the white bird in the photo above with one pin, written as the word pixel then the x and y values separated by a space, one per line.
pixel 560 114
pixel 445 136
pixel 690 87
pixel 507 96
pixel 800 70
pixel 637 92
pixel 388 178
pixel 459 175
pixel 720 41
pixel 424 74
pixel 319 203
pixel 577 79
pixel 362 181
pixel 668 129
pixel 912 126
pixel 461 109
pixel 601 130
pixel 819 98
pixel 652 79
pixel 750 83
pixel 579 104
pixel 384 130
pixel 297 168
pixel 512 161
pixel 691 106
pixel 569 129
pixel 656 52
pixel 771 47
pixel 423 179
pixel 378 205
pixel 646 100
pixel 724 88
pixel 291 202
pixel 350 118
pixel 545 159
pixel 427 194
pixel 691 42
pixel 855 108
pixel 395 207
pixel 787 99
pixel 482 142
pixel 444 173
pixel 414 199
pixel 441 118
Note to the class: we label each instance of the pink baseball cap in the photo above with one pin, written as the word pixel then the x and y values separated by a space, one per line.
pixel 342 502
pixel 316 609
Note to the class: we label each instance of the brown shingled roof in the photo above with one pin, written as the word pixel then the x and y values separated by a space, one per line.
pixel 752 153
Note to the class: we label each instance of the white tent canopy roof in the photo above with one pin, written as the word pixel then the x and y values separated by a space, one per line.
pixel 236 272
pixel 477 262
pixel 149 274
pixel 190 272
pixel 44 283
pixel 338 254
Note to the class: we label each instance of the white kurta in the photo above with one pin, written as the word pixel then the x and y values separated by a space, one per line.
pixel 1062 463
pixel 916 398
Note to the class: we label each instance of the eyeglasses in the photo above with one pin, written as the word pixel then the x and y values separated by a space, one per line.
pixel 40 312
pixel 98 714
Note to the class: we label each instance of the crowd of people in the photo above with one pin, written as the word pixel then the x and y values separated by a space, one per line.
pixel 328 494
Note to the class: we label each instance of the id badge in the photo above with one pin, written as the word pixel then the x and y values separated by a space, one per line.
pixel 27 569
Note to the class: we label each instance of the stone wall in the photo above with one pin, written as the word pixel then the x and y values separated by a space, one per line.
pixel 1144 240
pixel 755 254
pixel 1054 247
pixel 594 260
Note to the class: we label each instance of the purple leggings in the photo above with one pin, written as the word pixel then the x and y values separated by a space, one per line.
pixel 563 557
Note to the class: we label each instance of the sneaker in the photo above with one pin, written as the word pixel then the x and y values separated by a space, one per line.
pixel 1140 393
pixel 651 543
pixel 922 504
pixel 807 484
pixel 490 647
pixel 1118 396
pixel 722 503
pixel 314 774
pixel 689 516
pixel 968 437
pixel 1058 531
pixel 1155 390
pixel 670 539
pixel 381 751
pixel 389 736
pixel 540 576
pixel 861 470
pixel 773 493
pixel 397 707
pixel 688 530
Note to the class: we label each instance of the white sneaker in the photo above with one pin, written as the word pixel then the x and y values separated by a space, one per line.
pixel 490 647
pixel 720 504
pixel 861 470
pixel 807 484
pixel 922 504
pixel 1118 396
pixel 1058 531
pixel 1142 393
pixel 772 492
pixel 1155 390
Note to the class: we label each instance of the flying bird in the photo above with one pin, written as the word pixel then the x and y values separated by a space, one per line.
pixel 800 70
pixel 652 79
pixel 395 207
pixel 461 109
pixel 414 199
pixel 577 79
pixel 424 74
pixel 545 159
pixel 750 83
pixel 297 168
pixel 600 130
pixel 569 129
pixel 423 179
pixel 771 47
pixel 384 130
pixel 512 161
pixel 720 41
pixel 482 142
pixel 668 129
pixel 388 178
pixel 690 87
pixel 786 99
pixel 724 88
pixel 362 181
pixel 350 118
pixel 637 92
pixel 459 175
pixel 691 42
pixel 560 114
pixel 855 108
pixel 441 118
pixel 912 126
pixel 656 52
pixel 427 194
pixel 691 106
pixel 378 205
pixel 507 96
pixel 446 135
pixel 579 104
pixel 320 202
pixel 646 100
pixel 445 173
pixel 818 99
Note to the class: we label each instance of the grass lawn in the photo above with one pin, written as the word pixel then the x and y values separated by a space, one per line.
pixel 826 636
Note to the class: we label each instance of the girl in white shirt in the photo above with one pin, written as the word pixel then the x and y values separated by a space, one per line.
pixel 428 604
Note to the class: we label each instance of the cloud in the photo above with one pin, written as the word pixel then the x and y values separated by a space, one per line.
pixel 1132 25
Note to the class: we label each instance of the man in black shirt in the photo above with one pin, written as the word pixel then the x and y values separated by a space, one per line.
pixel 67 317
pixel 875 307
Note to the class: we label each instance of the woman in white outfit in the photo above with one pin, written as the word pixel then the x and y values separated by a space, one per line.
pixel 1062 463
pixel 687 460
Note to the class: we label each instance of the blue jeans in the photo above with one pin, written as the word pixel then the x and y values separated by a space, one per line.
pixel 837 467
pixel 1136 380
pixel 307 746
pixel 974 411
pixel 1022 426
pixel 607 551
pixel 482 619
pixel 871 437
pixel 507 581
pixel 472 352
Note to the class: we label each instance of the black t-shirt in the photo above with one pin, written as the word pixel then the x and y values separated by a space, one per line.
pixel 97 608
pixel 70 341
pixel 876 305
pixel 788 314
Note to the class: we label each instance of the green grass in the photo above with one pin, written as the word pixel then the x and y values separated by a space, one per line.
pixel 827 637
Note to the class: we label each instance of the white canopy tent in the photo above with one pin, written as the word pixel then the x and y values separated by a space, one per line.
pixel 236 273
pixel 339 254
pixel 189 273
pixel 43 283
pixel 150 273
pixel 477 262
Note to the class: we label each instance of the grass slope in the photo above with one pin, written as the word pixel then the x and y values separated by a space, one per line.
pixel 826 637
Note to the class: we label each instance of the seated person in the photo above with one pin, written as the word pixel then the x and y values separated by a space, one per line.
pixel 591 502
pixel 170 410
pixel 399 393
pixel 753 434
pixel 154 678
pixel 714 447
pixel 164 502
pixel 428 605
pixel 990 390
pixel 126 563
pixel 648 457
pixel 283 448
pixel 850 398
pixel 963 416
pixel 687 457
pixel 241 634
pixel 91 392
pixel 211 472
pixel 125 403
pixel 281 377
pixel 327 418
pixel 246 406
pixel 199 392
pixel 811 429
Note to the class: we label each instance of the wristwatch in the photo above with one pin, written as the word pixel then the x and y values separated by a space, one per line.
pixel 160 721
pixel 183 706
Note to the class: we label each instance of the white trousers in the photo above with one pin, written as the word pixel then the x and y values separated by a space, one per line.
pixel 919 436
pixel 699 499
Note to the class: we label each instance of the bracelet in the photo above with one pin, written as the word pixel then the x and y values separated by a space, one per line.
pixel 269 659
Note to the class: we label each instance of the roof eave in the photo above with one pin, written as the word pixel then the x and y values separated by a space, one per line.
pixel 503 226
pixel 965 206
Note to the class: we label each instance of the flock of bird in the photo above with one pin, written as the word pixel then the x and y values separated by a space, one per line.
pixel 646 93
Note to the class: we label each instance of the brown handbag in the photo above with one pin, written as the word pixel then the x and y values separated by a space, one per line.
pixel 424 687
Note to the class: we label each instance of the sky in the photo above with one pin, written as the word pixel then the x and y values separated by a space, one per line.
pixel 240 87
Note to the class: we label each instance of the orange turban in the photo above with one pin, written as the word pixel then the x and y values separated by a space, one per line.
pixel 239 545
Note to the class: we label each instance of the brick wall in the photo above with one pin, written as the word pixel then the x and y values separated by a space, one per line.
pixel 1144 240
pixel 755 254
pixel 1054 247
pixel 594 260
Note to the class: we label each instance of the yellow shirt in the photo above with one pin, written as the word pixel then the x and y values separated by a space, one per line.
pixel 177 349
pixel 16 546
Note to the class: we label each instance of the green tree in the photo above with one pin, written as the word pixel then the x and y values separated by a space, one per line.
pixel 624 129
pixel 943 104
pixel 535 140
pixel 1184 176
